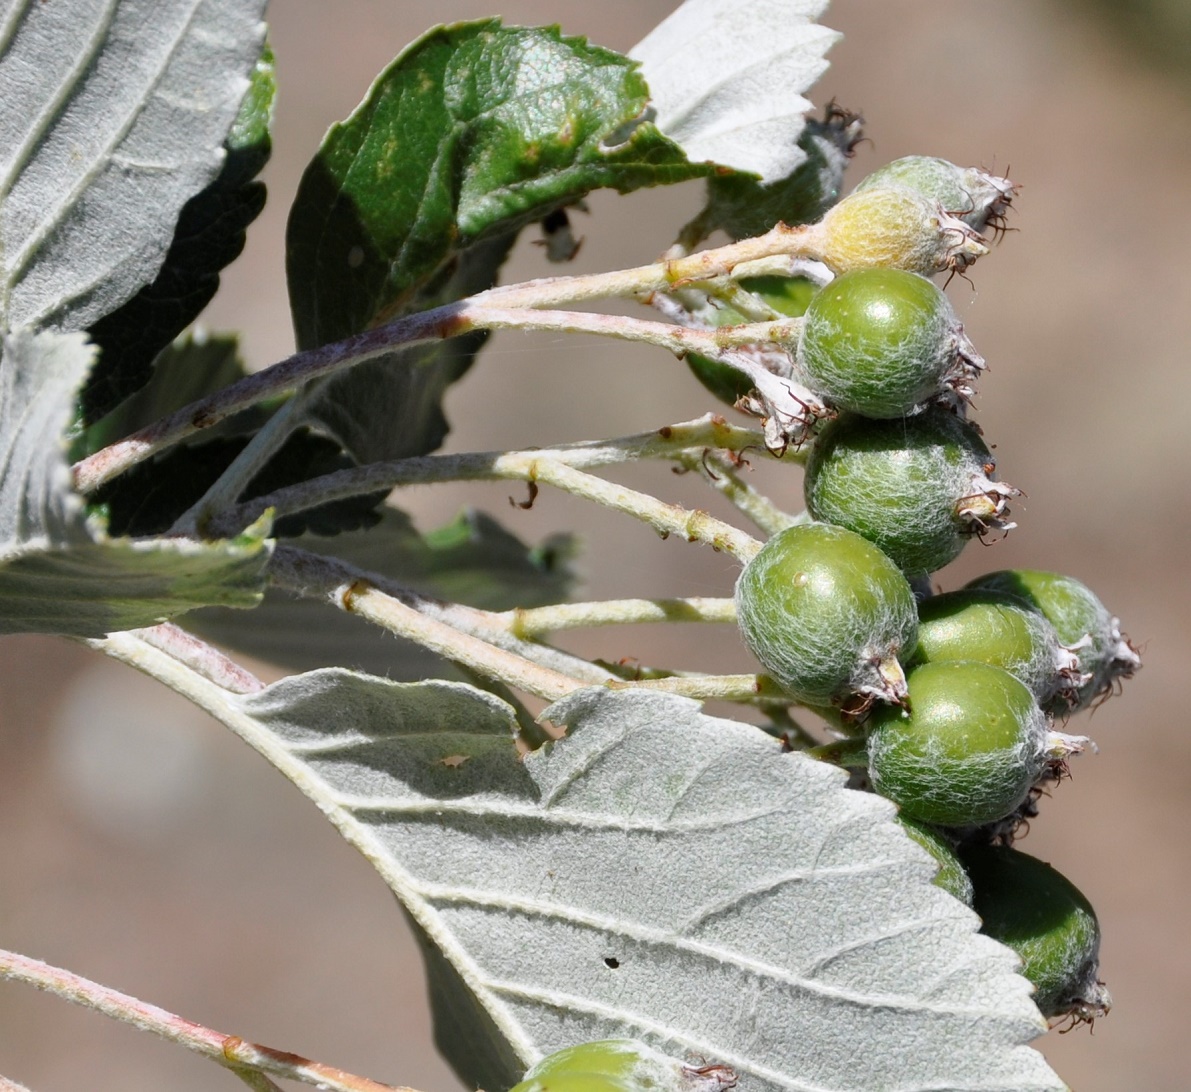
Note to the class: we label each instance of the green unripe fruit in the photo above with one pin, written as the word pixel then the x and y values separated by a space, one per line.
pixel 1084 625
pixel 919 487
pixel 994 628
pixel 1043 917
pixel 880 342
pixel 951 876
pixel 827 615
pixel 786 295
pixel 967 750
pixel 892 227
pixel 621 1065
pixel 968 193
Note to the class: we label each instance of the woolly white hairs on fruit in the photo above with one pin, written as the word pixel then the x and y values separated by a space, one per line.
pixel 1001 629
pixel 826 616
pixel 923 775
pixel 976 197
pixel 1085 627
pixel 894 227
pixel 879 376
pixel 908 486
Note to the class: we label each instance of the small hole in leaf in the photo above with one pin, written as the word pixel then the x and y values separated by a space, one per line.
pixel 611 962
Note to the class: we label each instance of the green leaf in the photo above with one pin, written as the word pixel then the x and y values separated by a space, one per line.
pixel 471 560
pixel 209 235
pixel 473 131
pixel 658 874
pixel 60 572
pixel 114 117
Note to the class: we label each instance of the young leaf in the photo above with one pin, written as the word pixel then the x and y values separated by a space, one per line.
pixel 473 131
pixel 114 117
pixel 726 79
pixel 209 236
pixel 658 874
pixel 471 560
pixel 60 572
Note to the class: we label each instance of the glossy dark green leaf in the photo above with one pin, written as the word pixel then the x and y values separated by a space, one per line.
pixel 209 236
pixel 473 131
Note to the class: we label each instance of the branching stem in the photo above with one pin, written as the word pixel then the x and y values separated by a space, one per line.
pixel 683 442
pixel 495 309
pixel 535 467
pixel 357 592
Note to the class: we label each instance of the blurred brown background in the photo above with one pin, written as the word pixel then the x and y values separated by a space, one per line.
pixel 146 848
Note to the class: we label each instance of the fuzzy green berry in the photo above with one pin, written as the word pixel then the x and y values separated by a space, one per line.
pixel 621 1065
pixel 880 342
pixel 995 628
pixel 1084 625
pixel 1045 919
pixel 894 227
pixel 968 193
pixel 827 615
pixel 967 750
pixel 919 487
pixel 951 876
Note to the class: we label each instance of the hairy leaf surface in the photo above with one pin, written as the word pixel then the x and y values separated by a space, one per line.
pixel 115 113
pixel 60 572
pixel 659 874
pixel 726 79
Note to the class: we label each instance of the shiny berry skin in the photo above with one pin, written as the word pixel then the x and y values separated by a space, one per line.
pixel 827 615
pixel 621 1065
pixel 951 876
pixel 1045 919
pixel 967 751
pixel 919 487
pixel 1083 624
pixel 994 628
pixel 880 342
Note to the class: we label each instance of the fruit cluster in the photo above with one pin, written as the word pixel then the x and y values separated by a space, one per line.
pixel 946 702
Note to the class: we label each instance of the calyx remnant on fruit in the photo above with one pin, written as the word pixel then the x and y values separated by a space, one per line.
pixel 978 198
pixel 827 615
pixel 919 487
pixel 881 342
pixel 1084 625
